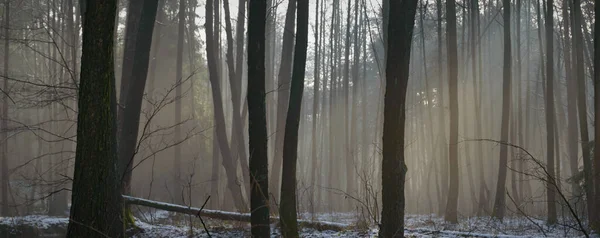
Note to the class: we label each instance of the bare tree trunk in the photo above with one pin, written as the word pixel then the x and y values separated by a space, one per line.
pixel 287 207
pixel 500 200
pixel 4 115
pixel 443 190
pixel 579 66
pixel 257 129
pixel 227 159
pixel 399 31
pixel 283 94
pixel 315 109
pixel 571 101
pixel 140 24
pixel 595 218
pixel 96 209
pixel 451 214
pixel 346 152
pixel 237 138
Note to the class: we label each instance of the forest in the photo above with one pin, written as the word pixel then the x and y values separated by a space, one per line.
pixel 298 118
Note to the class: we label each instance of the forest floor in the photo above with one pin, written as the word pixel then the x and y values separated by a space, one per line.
pixel 165 224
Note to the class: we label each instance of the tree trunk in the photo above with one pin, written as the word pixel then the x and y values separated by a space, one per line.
pixel 579 68
pixel 595 219
pixel 443 191
pixel 571 102
pixel 315 108
pixel 287 206
pixel 227 159
pixel 96 209
pixel 451 214
pixel 140 24
pixel 4 114
pixel 400 28
pixel 257 117
pixel 283 94
pixel 500 200
pixel 550 180
pixel 237 138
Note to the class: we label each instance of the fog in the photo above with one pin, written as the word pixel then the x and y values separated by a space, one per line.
pixel 177 156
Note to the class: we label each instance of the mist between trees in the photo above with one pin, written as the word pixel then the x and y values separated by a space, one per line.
pixel 375 108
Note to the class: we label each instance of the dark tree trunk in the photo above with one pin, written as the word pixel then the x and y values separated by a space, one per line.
pixel 283 94
pixel 451 214
pixel 579 68
pixel 571 101
pixel 443 189
pixel 595 219
pixel 400 28
pixel 176 182
pixel 156 41
pixel 140 24
pixel 287 207
pixel 4 114
pixel 237 140
pixel 257 117
pixel 96 209
pixel 227 159
pixel 137 46
pixel 500 200
pixel 550 180
pixel 346 152
pixel 315 108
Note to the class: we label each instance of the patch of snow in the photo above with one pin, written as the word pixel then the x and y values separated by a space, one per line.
pixel 39 221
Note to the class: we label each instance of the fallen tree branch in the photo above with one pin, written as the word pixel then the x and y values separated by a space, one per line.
pixel 224 215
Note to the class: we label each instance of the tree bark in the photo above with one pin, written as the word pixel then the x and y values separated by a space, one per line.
pixel 257 117
pixel 283 94
pixel 227 159
pixel 500 200
pixel 237 140
pixel 595 219
pixel 451 214
pixel 579 68
pixel 550 179
pixel 287 207
pixel 400 28
pixel 137 50
pixel 4 114
pixel 96 209
pixel 315 108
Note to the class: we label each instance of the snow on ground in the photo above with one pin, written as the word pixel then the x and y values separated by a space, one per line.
pixel 38 221
pixel 165 224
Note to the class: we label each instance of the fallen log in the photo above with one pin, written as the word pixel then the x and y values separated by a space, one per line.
pixel 227 216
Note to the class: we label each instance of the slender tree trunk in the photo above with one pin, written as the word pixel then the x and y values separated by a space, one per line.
pixel 287 207
pixel 283 94
pixel 257 130
pixel 156 41
pixel 500 200
pixel 315 109
pixel 443 191
pixel 451 214
pixel 595 219
pixel 550 114
pixel 177 186
pixel 96 209
pixel 402 17
pixel 140 24
pixel 227 159
pixel 571 101
pixel 4 113
pixel 346 152
pixel 237 138
pixel 579 68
